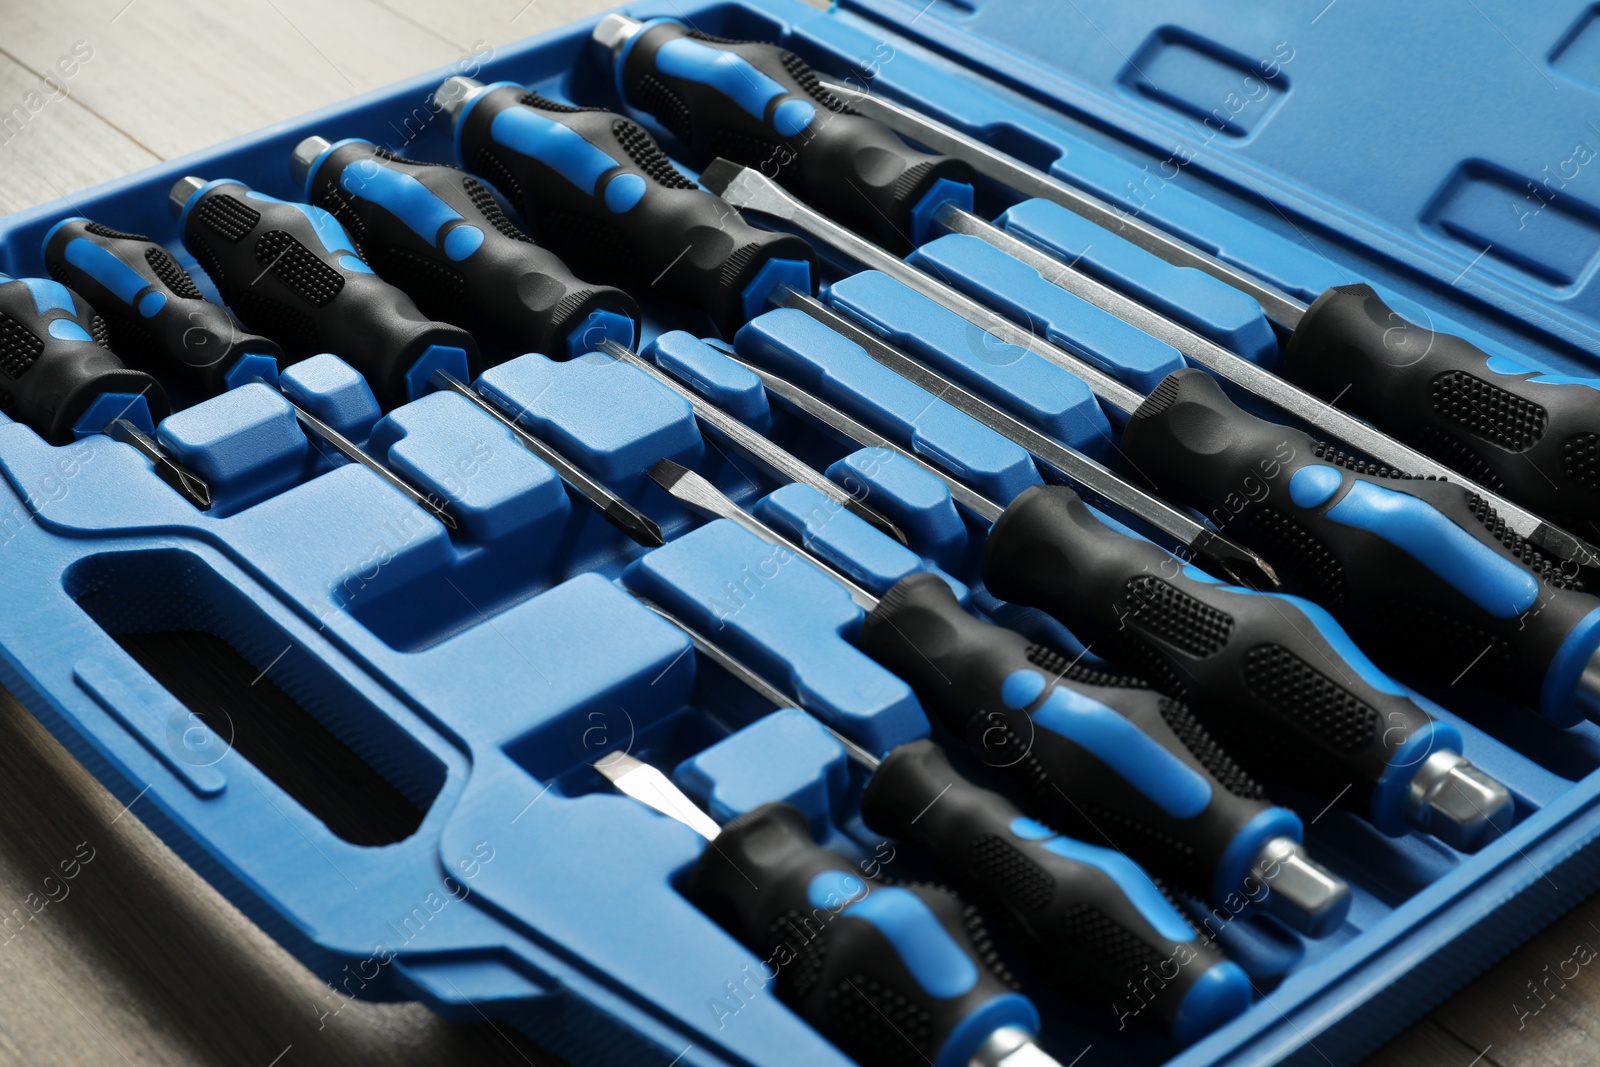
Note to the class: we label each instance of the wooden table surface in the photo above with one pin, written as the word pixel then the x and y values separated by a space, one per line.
pixel 141 962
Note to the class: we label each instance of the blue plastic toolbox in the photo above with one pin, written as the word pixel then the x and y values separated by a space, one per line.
pixel 474 677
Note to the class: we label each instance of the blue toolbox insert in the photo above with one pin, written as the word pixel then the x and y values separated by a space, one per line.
pixel 475 674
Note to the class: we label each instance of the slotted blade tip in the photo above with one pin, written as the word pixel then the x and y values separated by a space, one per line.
pixel 876 520
pixel 614 765
pixel 668 473
pixel 635 524
pixel 719 174
pixel 1239 564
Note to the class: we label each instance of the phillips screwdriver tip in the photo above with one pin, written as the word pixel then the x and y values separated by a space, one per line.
pixel 1457 803
pixel 182 190
pixel 1301 892
pixel 305 154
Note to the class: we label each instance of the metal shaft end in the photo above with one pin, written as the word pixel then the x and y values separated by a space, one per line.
pixel 1587 695
pixel 612 32
pixel 304 155
pixel 182 190
pixel 1457 803
pixel 1301 892
pixel 452 97
pixel 1011 1046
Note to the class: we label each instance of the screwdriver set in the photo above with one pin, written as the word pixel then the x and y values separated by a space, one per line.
pixel 766 536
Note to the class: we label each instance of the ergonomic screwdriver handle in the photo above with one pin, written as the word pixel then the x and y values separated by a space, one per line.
pixel 1273 677
pixel 760 105
pixel 845 948
pixel 290 271
pixel 56 375
pixel 1419 571
pixel 1531 435
pixel 1090 916
pixel 597 190
pixel 156 317
pixel 438 234
pixel 1114 749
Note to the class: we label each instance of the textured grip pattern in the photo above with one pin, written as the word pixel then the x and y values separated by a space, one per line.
pixel 19 348
pixel 1301 692
pixel 1487 411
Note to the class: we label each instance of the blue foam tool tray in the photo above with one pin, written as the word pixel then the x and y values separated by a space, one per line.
pixel 480 672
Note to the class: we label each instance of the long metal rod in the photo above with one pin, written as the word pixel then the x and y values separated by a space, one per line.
pixel 619 512
pixel 1280 307
pixel 779 461
pixel 353 452
pixel 863 435
pixel 693 491
pixel 1103 486
pixel 1284 395
pixel 189 485
pixel 754 682
pixel 748 189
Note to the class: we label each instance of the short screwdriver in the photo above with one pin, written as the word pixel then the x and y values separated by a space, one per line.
pixel 1090 917
pixel 59 378
pixel 840 943
pixel 504 287
pixel 761 105
pixel 436 232
pixel 1123 755
pixel 1530 435
pixel 331 296
pixel 1421 572
pixel 1274 677
pixel 598 191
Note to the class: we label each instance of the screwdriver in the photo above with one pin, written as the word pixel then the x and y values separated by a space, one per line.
pixel 599 192
pixel 838 942
pixel 437 233
pixel 1274 677
pixel 155 314
pixel 1114 749
pixel 748 189
pixel 1092 918
pixel 332 297
pixel 58 378
pixel 760 105
pixel 1422 573
pixel 1484 417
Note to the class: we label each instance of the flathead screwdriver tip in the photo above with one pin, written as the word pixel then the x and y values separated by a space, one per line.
pixel 638 526
pixel 182 190
pixel 1457 803
pixel 719 174
pixel 1238 564
pixel 305 154
pixel 1302 893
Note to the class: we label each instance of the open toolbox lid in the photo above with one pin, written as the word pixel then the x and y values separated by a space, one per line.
pixel 479 678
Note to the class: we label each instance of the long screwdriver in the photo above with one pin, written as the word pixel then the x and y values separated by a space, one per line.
pixel 156 315
pixel 598 191
pixel 748 189
pixel 1274 677
pixel 896 950
pixel 1485 417
pixel 504 286
pixel 1112 746
pixel 310 288
pixel 760 105
pixel 58 378
pixel 1093 920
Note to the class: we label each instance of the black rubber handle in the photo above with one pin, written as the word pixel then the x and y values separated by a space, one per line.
pixel 888 973
pixel 1531 436
pixel 157 319
pixel 1273 677
pixel 290 271
pixel 55 366
pixel 611 204
pixel 1091 918
pixel 1099 756
pixel 1419 571
pixel 762 106
pixel 438 234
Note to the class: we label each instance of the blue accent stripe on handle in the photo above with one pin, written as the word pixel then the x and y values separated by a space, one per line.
pixel 48 295
pixel 559 147
pixel 735 78
pixel 104 267
pixel 1130 878
pixel 1511 368
pixel 408 200
pixel 1171 784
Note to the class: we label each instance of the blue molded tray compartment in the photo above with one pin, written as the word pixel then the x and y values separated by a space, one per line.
pixel 480 675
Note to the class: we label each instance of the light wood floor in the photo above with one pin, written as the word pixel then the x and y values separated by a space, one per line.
pixel 142 962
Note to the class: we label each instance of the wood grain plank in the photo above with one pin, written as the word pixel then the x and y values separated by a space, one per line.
pixel 50 144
